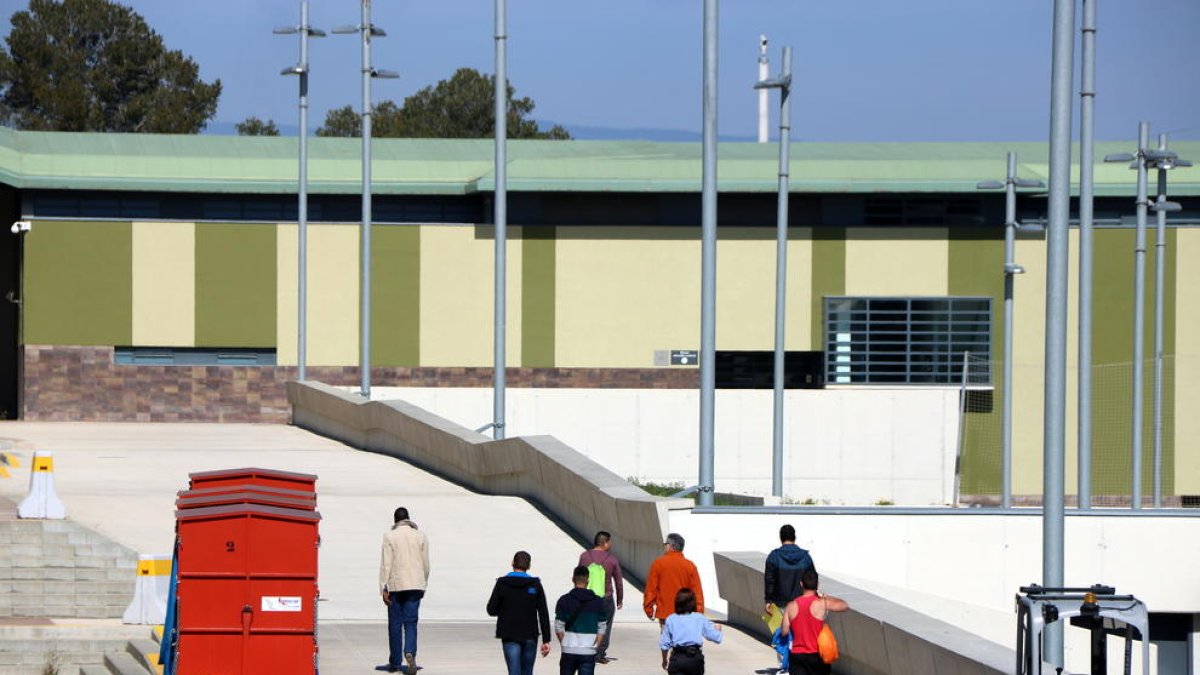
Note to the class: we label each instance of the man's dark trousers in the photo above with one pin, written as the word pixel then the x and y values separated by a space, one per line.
pixel 402 625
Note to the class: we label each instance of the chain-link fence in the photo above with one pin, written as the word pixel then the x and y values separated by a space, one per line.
pixel 980 468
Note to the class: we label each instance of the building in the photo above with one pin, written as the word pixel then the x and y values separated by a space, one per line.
pixel 158 278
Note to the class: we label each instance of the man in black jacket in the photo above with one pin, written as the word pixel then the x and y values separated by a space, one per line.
pixel 519 604
pixel 784 567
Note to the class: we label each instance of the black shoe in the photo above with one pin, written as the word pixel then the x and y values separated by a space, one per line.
pixel 388 668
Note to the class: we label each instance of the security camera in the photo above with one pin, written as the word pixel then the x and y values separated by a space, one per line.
pixel 21 226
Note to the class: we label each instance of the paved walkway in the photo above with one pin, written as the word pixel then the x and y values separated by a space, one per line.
pixel 121 480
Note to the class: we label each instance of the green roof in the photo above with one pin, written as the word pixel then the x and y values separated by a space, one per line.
pixel 178 163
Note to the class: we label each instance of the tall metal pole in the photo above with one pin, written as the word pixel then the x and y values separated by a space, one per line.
pixel 1160 263
pixel 1054 426
pixel 500 326
pixel 1010 244
pixel 1087 125
pixel 708 257
pixel 364 293
pixel 1139 313
pixel 781 242
pixel 301 69
pixel 763 65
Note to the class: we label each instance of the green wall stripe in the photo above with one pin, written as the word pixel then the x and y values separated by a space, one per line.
pixel 396 295
pixel 78 287
pixel 235 285
pixel 1112 353
pixel 828 275
pixel 538 267
pixel 975 267
pixel 1112 350
pixel 1168 403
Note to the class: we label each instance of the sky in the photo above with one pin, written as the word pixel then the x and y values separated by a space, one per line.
pixel 864 70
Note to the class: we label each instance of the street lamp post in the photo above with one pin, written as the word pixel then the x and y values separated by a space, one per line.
pixel 784 84
pixel 1087 128
pixel 708 258
pixel 1163 160
pixel 368 31
pixel 305 31
pixel 500 206
pixel 1011 268
pixel 1139 304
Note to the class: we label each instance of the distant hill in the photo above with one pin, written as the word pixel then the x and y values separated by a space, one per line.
pixel 581 132
pixel 586 133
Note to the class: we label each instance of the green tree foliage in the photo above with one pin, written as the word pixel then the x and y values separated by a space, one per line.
pixel 252 126
pixel 460 107
pixel 94 65
pixel 344 122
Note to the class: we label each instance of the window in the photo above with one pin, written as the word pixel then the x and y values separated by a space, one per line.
pixel 756 370
pixel 919 341
pixel 194 356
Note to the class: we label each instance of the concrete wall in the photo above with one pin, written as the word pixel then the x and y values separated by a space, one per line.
pixel 842 446
pixel 875 636
pixel 965 566
pixel 584 495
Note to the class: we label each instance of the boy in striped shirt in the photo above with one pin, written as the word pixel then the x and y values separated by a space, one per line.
pixel 579 624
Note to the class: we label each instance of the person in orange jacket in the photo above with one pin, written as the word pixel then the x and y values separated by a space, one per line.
pixel 669 573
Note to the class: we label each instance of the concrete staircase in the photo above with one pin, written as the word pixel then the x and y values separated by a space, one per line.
pixel 63 590
pixel 65 648
pixel 57 568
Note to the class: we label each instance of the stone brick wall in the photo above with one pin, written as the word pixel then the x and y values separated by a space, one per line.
pixel 72 383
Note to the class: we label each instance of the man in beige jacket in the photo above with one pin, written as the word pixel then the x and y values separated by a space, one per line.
pixel 403 573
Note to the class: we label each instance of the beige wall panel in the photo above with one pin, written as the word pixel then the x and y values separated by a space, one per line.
pixel 882 261
pixel 625 292
pixel 1029 316
pixel 286 264
pixel 746 290
pixel 1187 363
pixel 332 295
pixel 457 296
pixel 333 280
pixel 164 284
pixel 799 292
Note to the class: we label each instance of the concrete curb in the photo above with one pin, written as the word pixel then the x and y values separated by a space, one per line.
pixel 876 636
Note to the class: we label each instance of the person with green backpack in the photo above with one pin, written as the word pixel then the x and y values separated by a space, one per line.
pixel 605 580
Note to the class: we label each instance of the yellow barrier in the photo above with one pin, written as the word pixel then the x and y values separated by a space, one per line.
pixel 42 500
pixel 149 605
pixel 8 459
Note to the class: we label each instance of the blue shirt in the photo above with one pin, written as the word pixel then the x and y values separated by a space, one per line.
pixel 687 629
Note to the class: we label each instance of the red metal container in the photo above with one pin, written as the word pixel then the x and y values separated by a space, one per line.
pixel 249 487
pixel 254 476
pixel 247 590
pixel 188 500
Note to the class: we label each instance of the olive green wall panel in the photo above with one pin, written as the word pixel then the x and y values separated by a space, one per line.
pixel 78 287
pixel 395 295
pixel 976 263
pixel 235 285
pixel 1112 354
pixel 828 275
pixel 538 269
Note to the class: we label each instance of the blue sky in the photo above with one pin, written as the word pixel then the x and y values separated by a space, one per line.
pixel 865 70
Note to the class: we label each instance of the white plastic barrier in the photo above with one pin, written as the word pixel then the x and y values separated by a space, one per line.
pixel 42 500
pixel 149 606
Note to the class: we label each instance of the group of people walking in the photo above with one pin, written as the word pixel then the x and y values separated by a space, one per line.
pixel 791 588
pixel 583 616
